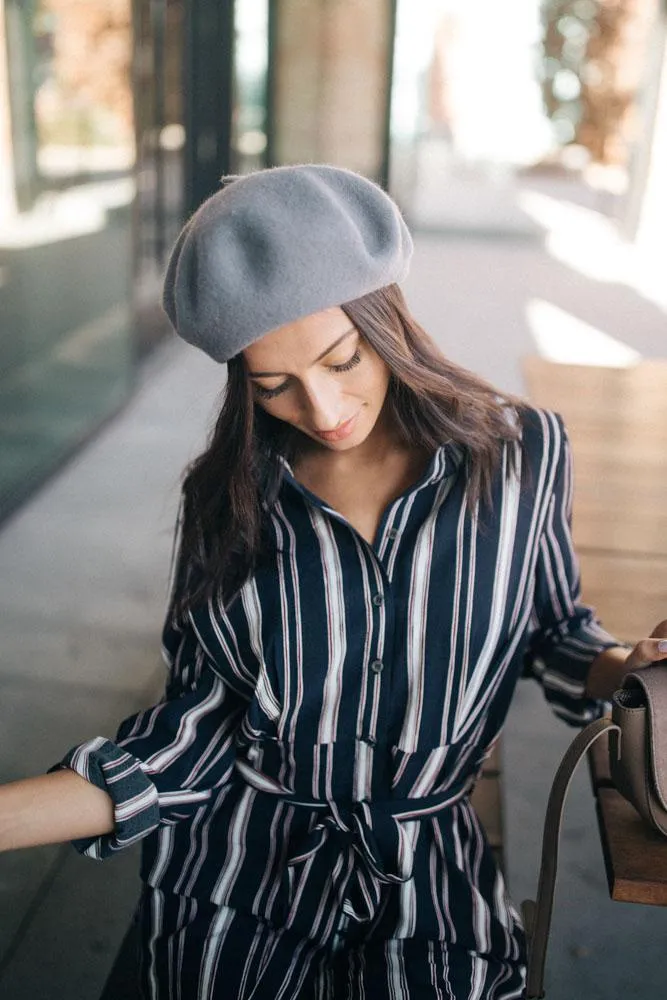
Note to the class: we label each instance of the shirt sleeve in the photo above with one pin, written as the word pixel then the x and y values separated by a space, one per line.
pixel 169 760
pixel 565 634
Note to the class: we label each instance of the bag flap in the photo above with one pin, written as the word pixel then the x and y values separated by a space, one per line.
pixel 653 681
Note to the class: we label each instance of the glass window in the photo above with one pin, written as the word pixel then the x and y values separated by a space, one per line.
pixel 67 149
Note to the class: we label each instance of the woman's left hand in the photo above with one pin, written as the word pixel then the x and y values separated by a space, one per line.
pixel 610 667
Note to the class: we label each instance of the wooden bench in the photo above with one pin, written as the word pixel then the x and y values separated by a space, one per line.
pixel 635 857
pixel 617 422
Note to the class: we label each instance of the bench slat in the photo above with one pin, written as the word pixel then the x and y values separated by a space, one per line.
pixel 635 856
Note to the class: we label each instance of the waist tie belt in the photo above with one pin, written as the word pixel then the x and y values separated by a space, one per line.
pixel 344 859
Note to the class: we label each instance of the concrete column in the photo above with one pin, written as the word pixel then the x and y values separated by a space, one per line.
pixel 332 75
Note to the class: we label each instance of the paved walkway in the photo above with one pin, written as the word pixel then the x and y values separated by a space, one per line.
pixel 83 570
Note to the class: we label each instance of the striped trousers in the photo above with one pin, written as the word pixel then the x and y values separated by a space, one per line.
pixel 194 950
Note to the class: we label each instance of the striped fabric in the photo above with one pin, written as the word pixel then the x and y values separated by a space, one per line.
pixel 307 772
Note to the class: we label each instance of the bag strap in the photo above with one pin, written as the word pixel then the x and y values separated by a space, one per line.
pixel 537 915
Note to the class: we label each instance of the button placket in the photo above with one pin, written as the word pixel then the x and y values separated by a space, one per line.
pixel 377 679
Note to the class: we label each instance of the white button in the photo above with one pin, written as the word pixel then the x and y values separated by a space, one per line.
pixel 392 534
pixel 376 666
pixel 377 600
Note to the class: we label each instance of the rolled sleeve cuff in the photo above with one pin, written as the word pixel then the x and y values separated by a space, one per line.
pixel 561 661
pixel 135 797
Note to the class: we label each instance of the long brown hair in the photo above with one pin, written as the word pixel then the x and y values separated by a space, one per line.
pixel 230 488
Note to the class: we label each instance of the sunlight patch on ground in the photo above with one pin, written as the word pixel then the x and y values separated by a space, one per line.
pixel 566 339
pixel 584 240
pixel 590 243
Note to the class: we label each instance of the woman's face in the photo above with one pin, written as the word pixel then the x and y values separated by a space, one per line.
pixel 320 376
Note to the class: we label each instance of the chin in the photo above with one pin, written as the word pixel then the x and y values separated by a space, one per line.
pixel 344 445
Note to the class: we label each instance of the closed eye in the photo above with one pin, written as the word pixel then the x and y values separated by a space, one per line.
pixel 352 363
pixel 272 393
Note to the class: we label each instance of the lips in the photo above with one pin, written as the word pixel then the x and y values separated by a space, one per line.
pixel 342 431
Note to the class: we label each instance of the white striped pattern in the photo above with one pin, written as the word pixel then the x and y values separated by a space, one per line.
pixel 355 673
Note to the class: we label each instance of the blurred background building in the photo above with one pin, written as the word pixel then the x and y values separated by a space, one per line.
pixel 527 146
pixel 117 118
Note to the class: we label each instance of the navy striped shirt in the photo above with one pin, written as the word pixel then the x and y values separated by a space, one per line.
pixel 313 755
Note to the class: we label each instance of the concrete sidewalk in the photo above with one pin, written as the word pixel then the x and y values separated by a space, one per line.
pixel 83 575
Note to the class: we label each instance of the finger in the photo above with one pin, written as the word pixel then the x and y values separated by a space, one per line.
pixel 646 652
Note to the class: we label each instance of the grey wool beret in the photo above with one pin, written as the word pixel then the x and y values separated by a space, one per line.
pixel 277 245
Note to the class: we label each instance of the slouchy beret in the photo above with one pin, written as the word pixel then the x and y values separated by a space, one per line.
pixel 277 245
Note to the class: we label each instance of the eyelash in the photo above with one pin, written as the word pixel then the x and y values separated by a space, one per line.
pixel 272 393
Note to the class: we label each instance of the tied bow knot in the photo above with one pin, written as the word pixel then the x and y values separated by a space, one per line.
pixel 360 848
pixel 378 839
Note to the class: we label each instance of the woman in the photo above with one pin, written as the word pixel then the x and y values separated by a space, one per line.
pixel 373 548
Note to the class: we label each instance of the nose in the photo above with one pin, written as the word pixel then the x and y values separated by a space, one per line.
pixel 323 407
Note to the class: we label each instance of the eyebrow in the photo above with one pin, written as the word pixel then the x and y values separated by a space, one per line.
pixel 322 355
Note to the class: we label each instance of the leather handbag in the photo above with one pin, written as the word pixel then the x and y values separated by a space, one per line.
pixel 638 748
pixel 637 733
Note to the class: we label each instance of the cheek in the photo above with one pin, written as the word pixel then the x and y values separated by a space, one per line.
pixel 377 383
